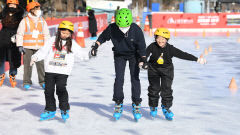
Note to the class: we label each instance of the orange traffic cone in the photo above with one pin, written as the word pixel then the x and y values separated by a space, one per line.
pixel 113 19
pixel 205 51
pixel 204 33
pixel 210 48
pixel 196 42
pixel 80 36
pixel 233 85
pixel 175 33
pixel 146 26
pixel 138 21
pixel 150 33
pixel 228 33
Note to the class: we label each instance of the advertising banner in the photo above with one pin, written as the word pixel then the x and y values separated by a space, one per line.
pixel 211 20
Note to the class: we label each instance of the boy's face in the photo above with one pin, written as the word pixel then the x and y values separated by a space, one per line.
pixel 161 41
pixel 65 34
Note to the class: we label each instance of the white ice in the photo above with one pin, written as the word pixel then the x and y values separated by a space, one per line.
pixel 203 104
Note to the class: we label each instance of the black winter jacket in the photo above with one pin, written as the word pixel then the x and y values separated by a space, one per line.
pixel 10 21
pixel 92 22
pixel 168 51
pixel 131 43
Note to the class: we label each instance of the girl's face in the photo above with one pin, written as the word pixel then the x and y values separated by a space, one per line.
pixel 161 41
pixel 65 34
pixel 12 5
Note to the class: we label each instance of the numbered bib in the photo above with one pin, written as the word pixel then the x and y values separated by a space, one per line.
pixel 35 34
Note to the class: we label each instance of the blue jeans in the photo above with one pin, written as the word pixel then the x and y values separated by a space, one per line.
pixel 12 71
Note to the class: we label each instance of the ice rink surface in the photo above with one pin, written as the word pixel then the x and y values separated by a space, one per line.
pixel 203 104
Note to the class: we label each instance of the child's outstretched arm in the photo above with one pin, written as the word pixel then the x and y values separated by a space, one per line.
pixel 41 53
pixel 186 56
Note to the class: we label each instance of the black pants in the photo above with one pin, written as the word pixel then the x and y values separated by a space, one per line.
pixel 93 34
pixel 120 64
pixel 165 75
pixel 60 80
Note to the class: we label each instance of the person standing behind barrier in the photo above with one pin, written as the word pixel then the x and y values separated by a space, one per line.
pixel 129 45
pixel 11 16
pixel 31 35
pixel 92 23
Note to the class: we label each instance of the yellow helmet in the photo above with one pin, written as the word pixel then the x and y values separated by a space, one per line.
pixel 162 32
pixel 66 25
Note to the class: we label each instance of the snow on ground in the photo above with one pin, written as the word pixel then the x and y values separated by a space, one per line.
pixel 203 104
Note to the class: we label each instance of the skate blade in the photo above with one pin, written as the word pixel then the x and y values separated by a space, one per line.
pixel 47 118
pixel 169 119
pixel 116 118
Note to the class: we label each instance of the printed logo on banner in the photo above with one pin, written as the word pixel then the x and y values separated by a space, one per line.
pixel 179 21
pixel 233 19
pixel 208 20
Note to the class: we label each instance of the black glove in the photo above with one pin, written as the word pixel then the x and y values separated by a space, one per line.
pixel 21 49
pixel 94 49
pixel 145 64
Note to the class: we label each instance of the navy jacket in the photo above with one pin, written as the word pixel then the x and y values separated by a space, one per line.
pixel 131 43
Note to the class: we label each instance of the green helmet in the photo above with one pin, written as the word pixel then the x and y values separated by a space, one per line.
pixel 124 17
pixel 88 7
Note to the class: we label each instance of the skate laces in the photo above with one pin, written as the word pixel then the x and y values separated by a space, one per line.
pixel 2 76
pixel 153 108
pixel 118 108
pixel 12 77
pixel 137 108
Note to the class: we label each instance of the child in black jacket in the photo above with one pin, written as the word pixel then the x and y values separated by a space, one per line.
pixel 160 68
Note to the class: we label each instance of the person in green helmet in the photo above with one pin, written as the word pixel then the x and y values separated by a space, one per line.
pixel 128 45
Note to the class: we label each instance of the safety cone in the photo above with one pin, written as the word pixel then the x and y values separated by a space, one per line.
pixel 233 85
pixel 146 26
pixel 80 36
pixel 205 51
pixel 113 19
pixel 150 33
pixel 175 33
pixel 228 33
pixel 196 42
pixel 210 48
pixel 204 33
pixel 138 21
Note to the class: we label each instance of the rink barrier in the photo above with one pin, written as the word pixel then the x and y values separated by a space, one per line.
pixel 208 24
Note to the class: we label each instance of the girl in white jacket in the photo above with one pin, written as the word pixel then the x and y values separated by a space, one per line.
pixel 58 54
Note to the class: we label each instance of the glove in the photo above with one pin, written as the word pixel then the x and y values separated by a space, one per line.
pixel 202 61
pixel 21 49
pixel 13 38
pixel 93 51
pixel 143 63
pixel 33 60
